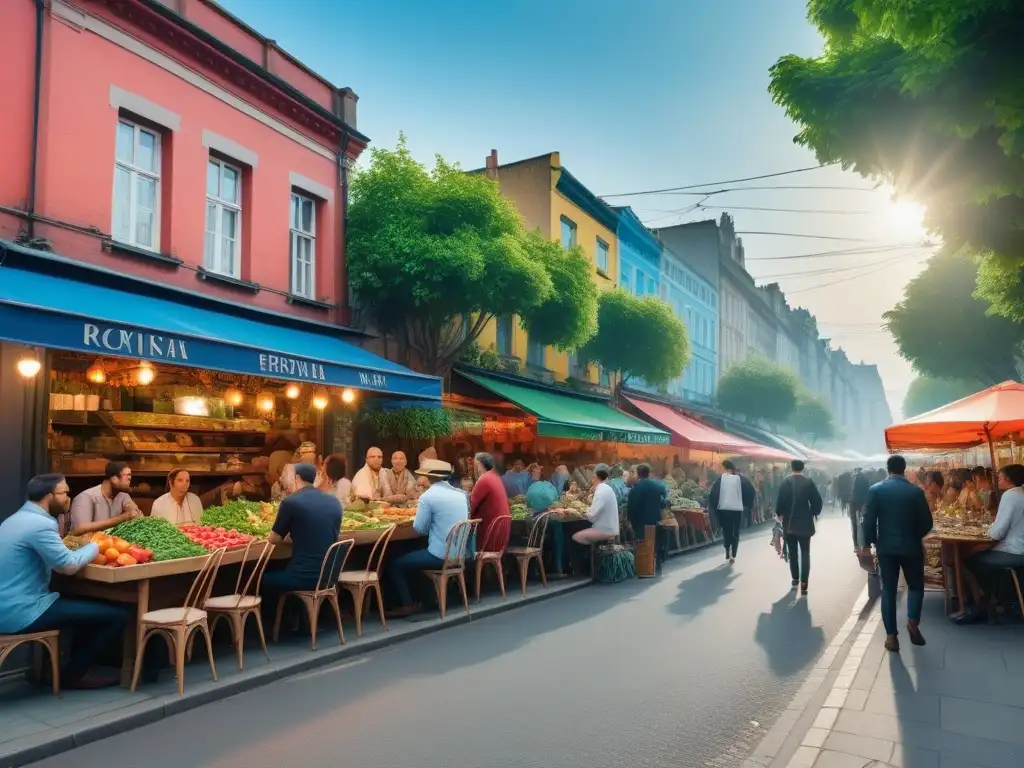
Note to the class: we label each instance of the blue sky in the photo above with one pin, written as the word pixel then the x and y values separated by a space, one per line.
pixel 666 93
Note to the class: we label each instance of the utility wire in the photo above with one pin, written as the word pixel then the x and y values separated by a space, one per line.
pixel 843 252
pixel 872 271
pixel 827 211
pixel 822 271
pixel 809 237
pixel 726 181
pixel 763 187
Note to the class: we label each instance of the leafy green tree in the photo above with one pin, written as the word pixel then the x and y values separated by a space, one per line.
pixel 567 319
pixel 945 332
pixel 813 417
pixel 434 255
pixel 926 394
pixel 759 389
pixel 638 337
pixel 927 96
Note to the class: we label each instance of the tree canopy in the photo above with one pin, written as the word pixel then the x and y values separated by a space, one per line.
pixel 926 394
pixel 638 337
pixel 759 389
pixel 434 255
pixel 927 96
pixel 945 332
pixel 812 416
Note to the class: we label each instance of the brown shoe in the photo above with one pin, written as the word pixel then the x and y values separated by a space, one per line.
pixel 892 643
pixel 915 633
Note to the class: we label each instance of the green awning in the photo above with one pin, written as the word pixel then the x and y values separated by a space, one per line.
pixel 576 418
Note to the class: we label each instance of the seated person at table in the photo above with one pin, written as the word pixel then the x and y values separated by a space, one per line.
pixel 366 484
pixel 178 505
pixel 516 480
pixel 398 485
pixel 488 502
pixel 603 513
pixel 441 508
pixel 30 548
pixel 331 479
pixel 312 519
pixel 984 568
pixel 105 505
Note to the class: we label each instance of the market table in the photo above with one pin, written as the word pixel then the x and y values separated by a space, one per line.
pixel 957 542
pixel 133 584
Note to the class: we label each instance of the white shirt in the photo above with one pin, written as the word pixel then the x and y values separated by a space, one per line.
pixel 189 511
pixel 730 493
pixel 1009 524
pixel 604 510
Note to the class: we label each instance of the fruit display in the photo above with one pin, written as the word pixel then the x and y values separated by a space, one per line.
pixel 159 536
pixel 397 515
pixel 957 521
pixel 687 495
pixel 254 518
pixel 115 551
pixel 214 538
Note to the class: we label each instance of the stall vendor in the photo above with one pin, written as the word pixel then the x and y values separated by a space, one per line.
pixel 105 505
pixel 285 485
pixel 366 484
pixel 178 505
pixel 332 480
pixel 398 484
pixel 603 513
pixel 517 479
pixel 984 568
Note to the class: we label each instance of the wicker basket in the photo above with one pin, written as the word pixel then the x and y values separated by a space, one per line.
pixel 644 554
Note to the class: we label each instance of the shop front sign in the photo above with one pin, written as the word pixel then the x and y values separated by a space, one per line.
pixel 123 341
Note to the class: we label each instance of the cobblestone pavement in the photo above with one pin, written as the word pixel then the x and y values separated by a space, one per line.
pixel 688 670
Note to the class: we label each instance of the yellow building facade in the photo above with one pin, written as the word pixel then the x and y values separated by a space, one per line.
pixel 551 199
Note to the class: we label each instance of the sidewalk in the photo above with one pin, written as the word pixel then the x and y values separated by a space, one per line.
pixel 35 725
pixel 958 702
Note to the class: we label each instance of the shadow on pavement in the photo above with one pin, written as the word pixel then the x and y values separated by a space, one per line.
pixel 787 635
pixel 702 591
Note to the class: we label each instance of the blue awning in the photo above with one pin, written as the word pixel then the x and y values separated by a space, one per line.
pixel 49 311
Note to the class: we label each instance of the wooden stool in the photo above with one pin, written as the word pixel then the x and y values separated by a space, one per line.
pixel 50 639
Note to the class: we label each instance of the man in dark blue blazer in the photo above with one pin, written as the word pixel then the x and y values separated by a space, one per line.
pixel 896 518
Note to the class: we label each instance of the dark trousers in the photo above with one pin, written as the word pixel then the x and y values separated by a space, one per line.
pixel 987 567
pixel 730 520
pixel 404 566
pixel 889 567
pixel 854 513
pixel 799 549
pixel 275 584
pixel 94 627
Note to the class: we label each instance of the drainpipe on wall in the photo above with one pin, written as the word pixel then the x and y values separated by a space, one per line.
pixel 342 288
pixel 36 99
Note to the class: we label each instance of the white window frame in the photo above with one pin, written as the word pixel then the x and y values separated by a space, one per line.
pixel 213 262
pixel 599 246
pixel 298 235
pixel 134 172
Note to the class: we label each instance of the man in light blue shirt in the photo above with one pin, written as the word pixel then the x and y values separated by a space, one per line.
pixel 441 507
pixel 30 548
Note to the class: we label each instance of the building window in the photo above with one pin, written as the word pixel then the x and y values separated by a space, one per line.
pixel 624 271
pixel 503 336
pixel 535 354
pixel 223 218
pixel 137 186
pixel 641 280
pixel 651 289
pixel 568 233
pixel 303 246
pixel 602 255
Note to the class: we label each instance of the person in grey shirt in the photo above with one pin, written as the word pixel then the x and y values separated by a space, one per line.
pixel 984 568
pixel 106 504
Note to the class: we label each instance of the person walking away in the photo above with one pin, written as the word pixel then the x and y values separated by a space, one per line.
pixel 858 498
pixel 983 568
pixel 896 519
pixel 30 548
pixel 799 504
pixel 731 495
pixel 644 507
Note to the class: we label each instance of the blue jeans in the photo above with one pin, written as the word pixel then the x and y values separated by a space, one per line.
pixel 403 566
pixel 94 626
pixel 889 567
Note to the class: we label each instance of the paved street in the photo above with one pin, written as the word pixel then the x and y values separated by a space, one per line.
pixel 685 671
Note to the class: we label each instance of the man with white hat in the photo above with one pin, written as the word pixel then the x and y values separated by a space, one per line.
pixel 441 507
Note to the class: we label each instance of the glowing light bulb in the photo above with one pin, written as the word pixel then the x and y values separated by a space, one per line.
pixel 320 399
pixel 145 374
pixel 96 373
pixel 348 396
pixel 233 397
pixel 28 366
pixel 292 391
pixel 265 401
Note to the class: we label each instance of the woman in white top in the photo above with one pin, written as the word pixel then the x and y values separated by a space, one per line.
pixel 332 479
pixel 178 505
pixel 603 513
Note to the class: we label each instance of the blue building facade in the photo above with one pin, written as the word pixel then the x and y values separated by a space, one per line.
pixel 694 300
pixel 639 255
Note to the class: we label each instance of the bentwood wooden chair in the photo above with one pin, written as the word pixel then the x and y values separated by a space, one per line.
pixel 326 591
pixel 454 566
pixel 493 553
pixel 177 625
pixel 50 639
pixel 534 549
pixel 360 583
pixel 244 602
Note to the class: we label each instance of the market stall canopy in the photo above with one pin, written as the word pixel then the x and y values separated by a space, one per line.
pixel 573 417
pixel 990 415
pixel 45 310
pixel 696 434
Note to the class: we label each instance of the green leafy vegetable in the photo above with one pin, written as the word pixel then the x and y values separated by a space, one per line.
pixel 160 536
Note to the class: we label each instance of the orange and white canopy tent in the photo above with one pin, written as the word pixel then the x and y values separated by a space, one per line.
pixel 988 416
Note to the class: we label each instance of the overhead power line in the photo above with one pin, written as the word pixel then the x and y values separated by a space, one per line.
pixel 726 181
pixel 843 252
pixel 871 271
pixel 828 211
pixel 809 237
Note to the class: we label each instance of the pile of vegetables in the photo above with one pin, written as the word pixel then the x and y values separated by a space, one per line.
pixel 114 551
pixel 159 536
pixel 687 495
pixel 254 518
pixel 518 510
pixel 215 538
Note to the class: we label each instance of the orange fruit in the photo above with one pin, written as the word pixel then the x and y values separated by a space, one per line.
pixel 100 559
pixel 126 560
pixel 111 554
pixel 104 543
pixel 121 545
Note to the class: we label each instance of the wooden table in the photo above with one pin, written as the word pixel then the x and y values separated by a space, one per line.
pixel 132 585
pixel 957 542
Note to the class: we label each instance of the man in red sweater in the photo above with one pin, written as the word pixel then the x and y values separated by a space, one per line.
pixel 487 503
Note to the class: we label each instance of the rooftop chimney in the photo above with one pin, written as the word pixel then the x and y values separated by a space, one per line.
pixel 492 164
